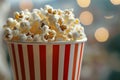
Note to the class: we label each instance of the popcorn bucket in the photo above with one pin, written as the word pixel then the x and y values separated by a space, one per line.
pixel 46 61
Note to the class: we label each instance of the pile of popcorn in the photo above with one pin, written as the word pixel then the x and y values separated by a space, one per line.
pixel 43 25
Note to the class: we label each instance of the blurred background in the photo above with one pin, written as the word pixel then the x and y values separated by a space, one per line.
pixel 101 20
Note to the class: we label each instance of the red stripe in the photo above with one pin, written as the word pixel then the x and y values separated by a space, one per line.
pixel 42 49
pixel 20 50
pixel 66 61
pixel 80 58
pixel 31 61
pixel 15 63
pixel 55 62
pixel 75 60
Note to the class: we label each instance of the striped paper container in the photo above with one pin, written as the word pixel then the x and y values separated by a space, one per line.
pixel 54 61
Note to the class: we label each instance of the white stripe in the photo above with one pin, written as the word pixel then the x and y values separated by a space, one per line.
pixel 81 59
pixel 71 61
pixel 26 62
pixel 12 61
pixel 76 71
pixel 49 62
pixel 18 62
pixel 61 61
pixel 36 61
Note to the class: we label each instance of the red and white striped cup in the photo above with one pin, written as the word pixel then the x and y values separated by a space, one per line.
pixel 46 61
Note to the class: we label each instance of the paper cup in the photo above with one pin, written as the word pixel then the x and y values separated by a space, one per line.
pixel 46 61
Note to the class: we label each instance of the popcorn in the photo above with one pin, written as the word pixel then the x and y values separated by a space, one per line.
pixel 53 18
pixel 45 28
pixel 7 31
pixel 75 35
pixel 27 12
pixel 19 15
pixel 70 35
pixel 35 27
pixel 22 13
pixel 77 21
pixel 49 36
pixel 58 26
pixel 43 12
pixel 11 22
pixel 43 22
pixel 23 37
pixel 54 12
pixel 69 12
pixel 29 38
pixel 49 9
pixel 60 21
pixel 16 32
pixel 36 16
pixel 8 37
pixel 63 27
pixel 37 38
pixel 44 25
pixel 17 25
pixel 60 12
pixel 16 15
pixel 62 38
pixel 25 26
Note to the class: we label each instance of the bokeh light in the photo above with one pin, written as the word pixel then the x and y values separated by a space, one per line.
pixel 86 18
pixel 101 34
pixel 115 2
pixel 84 3
pixel 26 5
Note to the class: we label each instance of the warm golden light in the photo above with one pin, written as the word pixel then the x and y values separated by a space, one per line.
pixel 26 5
pixel 84 3
pixel 86 18
pixel 101 34
pixel 115 2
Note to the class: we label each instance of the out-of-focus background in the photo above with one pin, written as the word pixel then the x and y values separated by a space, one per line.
pixel 101 20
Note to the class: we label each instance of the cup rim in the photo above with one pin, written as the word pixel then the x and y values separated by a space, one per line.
pixel 55 42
